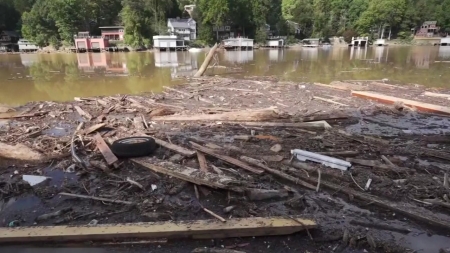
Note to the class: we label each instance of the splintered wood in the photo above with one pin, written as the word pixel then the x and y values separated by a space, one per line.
pixel 200 229
pixel 227 159
pixel 249 115
pixel 105 150
pixel 189 174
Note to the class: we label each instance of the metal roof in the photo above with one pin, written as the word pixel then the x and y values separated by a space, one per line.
pixel 180 22
pixel 430 22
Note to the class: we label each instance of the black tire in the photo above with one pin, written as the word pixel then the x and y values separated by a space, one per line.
pixel 133 147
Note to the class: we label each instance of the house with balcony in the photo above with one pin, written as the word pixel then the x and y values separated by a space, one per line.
pixel 183 28
pixel 428 29
pixel 113 33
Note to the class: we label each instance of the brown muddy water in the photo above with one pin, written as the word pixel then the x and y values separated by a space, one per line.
pixel 61 77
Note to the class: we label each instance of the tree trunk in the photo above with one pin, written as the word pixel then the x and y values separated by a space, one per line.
pixel 390 32
pixel 382 33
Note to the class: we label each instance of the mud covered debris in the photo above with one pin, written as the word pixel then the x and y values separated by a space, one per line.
pixel 214 161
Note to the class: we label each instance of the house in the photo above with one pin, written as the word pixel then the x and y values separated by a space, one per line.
pixel 275 42
pixel 428 29
pixel 183 28
pixel 113 33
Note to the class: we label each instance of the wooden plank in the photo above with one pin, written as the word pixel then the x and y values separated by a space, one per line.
pixel 245 227
pixel 202 161
pixel 82 113
pixel 246 115
pixel 436 95
pixel 189 95
pixel 277 172
pixel 19 152
pixel 308 125
pixel 227 159
pixel 94 128
pixel 189 174
pixel 109 156
pixel 96 198
pixel 14 115
pixel 175 148
pixel 391 100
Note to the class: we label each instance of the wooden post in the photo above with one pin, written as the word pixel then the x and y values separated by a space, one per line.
pixel 205 64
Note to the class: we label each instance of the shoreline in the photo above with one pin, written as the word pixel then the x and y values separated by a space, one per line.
pixel 228 116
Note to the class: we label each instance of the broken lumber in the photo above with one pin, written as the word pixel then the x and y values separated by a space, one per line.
pixel 109 156
pixel 82 113
pixel 209 250
pixel 205 229
pixel 329 101
pixel 206 62
pixel 180 150
pixel 277 172
pixel 245 115
pixel 436 95
pixel 308 125
pixel 189 95
pixel 188 174
pixel 376 164
pixel 93 128
pixel 340 153
pixel 225 158
pixel 13 115
pixel 19 152
pixel 391 100
pixel 202 161
pixel 261 194
pixel 96 198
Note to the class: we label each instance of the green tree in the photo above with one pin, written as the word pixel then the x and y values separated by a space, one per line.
pixel 39 26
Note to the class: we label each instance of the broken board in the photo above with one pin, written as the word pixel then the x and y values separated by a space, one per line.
pixel 391 100
pixel 203 229
pixel 192 175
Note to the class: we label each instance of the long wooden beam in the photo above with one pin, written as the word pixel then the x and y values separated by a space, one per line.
pixel 150 230
pixel 391 100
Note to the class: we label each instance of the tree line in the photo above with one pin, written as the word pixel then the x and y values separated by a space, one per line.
pixel 57 21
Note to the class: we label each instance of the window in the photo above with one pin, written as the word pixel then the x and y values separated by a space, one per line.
pixel 227 28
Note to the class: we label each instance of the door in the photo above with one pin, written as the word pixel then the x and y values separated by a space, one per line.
pixel 81 44
pixel 95 45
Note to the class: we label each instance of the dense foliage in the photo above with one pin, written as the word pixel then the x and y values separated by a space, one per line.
pixel 56 21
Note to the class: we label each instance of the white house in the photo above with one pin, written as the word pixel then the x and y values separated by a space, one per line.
pixel 183 28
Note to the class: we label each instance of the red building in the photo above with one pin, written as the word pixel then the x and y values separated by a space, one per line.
pixel 428 29
pixel 85 42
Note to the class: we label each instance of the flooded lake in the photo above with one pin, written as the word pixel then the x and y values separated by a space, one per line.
pixel 61 77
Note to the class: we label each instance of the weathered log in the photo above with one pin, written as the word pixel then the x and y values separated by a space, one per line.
pixel 206 62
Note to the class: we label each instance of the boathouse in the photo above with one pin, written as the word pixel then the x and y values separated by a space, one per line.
pixel 313 42
pixel 238 43
pixel 275 42
pixel 84 42
pixel 380 43
pixel 445 41
pixel 168 43
pixel 359 42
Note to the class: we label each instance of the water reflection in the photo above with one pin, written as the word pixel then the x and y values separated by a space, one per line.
pixel 110 64
pixel 181 64
pixel 444 53
pixel 358 53
pixel 310 54
pixel 276 55
pixel 60 77
pixel 239 57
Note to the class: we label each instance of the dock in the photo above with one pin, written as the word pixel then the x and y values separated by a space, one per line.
pixel 239 43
